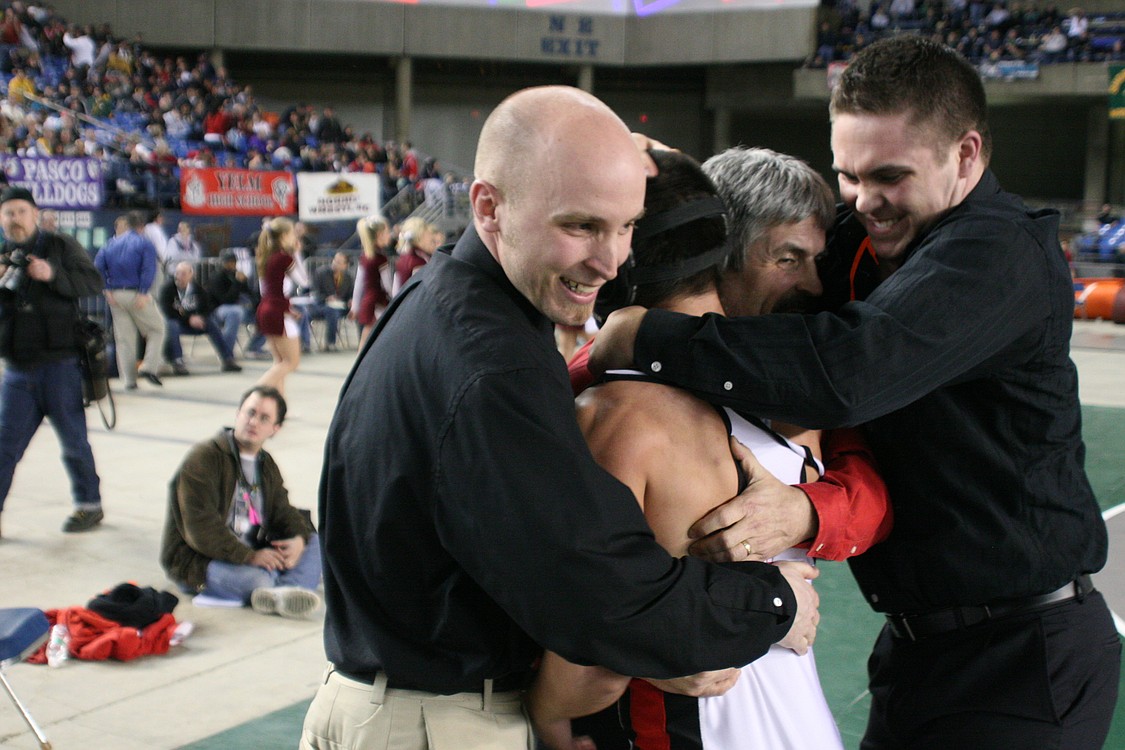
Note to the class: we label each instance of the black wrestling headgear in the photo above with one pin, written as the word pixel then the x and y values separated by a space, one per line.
pixel 623 289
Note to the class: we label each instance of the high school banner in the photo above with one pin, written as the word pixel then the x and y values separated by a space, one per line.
pixel 70 183
pixel 327 196
pixel 1117 92
pixel 236 192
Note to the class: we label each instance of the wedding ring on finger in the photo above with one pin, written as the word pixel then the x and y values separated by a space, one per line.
pixel 746 546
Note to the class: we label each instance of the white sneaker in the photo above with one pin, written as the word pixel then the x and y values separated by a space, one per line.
pixel 287 601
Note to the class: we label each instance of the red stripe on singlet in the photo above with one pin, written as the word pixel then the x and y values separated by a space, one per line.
pixel 864 247
pixel 648 716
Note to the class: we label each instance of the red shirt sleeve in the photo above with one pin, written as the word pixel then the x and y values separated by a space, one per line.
pixel 851 500
pixel 579 366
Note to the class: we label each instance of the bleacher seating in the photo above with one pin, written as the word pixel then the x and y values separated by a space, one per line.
pixel 127 129
pixel 850 29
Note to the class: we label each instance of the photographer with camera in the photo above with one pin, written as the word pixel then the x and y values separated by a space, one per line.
pixel 43 276
pixel 231 534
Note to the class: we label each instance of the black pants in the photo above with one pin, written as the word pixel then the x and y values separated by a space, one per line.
pixel 1044 680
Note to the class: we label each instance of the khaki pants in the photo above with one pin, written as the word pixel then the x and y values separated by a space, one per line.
pixel 127 321
pixel 351 715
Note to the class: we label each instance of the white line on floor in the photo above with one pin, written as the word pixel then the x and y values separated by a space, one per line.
pixel 1116 510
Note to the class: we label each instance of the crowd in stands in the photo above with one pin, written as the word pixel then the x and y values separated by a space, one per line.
pixel 983 31
pixel 81 91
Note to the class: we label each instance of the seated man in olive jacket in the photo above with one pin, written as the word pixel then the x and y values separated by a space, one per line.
pixel 231 533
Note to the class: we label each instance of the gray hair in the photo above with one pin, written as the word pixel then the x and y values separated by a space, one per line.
pixel 762 189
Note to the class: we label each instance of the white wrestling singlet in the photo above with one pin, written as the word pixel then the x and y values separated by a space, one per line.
pixel 777 703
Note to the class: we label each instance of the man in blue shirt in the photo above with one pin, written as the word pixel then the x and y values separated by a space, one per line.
pixel 128 265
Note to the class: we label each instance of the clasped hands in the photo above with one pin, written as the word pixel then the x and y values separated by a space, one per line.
pixel 282 554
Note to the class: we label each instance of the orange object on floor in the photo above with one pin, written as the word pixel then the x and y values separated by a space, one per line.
pixel 95 638
pixel 1097 299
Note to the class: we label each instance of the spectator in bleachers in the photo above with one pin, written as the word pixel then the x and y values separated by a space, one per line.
pixel 966 27
pixel 19 87
pixel 1053 45
pixel 879 18
pixel 255 160
pixel 187 308
pixel 998 17
pixel 409 168
pixel 329 129
pixel 120 58
pixel 11 30
pixel 177 121
pixel 1077 25
pixel 215 126
pixel 901 10
pixel 82 50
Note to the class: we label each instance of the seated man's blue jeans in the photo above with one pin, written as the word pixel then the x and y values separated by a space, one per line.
pixel 174 352
pixel 52 390
pixel 304 325
pixel 229 318
pixel 229 581
pixel 331 316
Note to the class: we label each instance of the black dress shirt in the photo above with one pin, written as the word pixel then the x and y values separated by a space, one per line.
pixel 464 521
pixel 959 366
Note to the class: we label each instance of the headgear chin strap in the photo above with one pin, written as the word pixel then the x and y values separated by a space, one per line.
pixel 623 289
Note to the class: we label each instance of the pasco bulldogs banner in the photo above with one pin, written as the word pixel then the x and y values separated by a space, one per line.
pixel 71 183
pixel 326 196
pixel 236 192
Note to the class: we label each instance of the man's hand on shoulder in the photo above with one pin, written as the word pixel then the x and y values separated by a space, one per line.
pixel 613 346
pixel 767 517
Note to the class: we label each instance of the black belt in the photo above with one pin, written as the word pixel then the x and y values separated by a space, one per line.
pixel 916 627
pixel 509 682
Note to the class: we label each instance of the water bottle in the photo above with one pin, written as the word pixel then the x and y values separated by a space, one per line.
pixel 58 645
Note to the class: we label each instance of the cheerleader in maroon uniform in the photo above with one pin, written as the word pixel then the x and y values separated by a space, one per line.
pixel 277 320
pixel 371 297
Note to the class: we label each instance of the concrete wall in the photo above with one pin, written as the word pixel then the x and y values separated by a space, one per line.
pixel 360 26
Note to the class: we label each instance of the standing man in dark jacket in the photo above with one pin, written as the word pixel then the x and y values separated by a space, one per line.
pixel 44 276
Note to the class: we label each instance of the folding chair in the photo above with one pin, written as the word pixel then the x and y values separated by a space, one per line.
pixel 22 631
